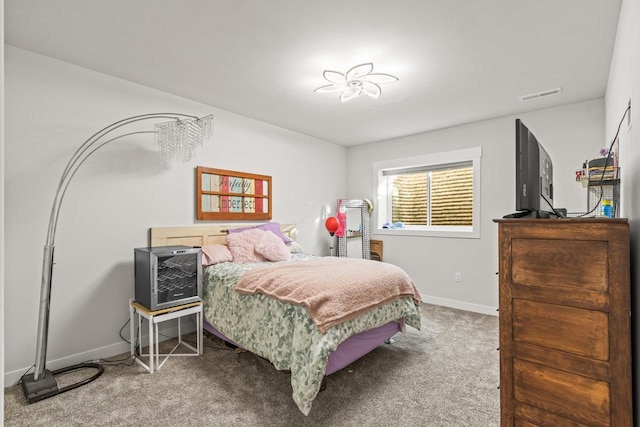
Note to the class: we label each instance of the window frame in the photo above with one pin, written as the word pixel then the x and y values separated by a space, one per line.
pixel 432 161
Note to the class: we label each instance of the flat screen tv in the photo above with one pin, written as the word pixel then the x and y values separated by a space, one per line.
pixel 534 177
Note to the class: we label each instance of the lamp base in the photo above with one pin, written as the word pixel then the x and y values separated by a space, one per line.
pixel 41 389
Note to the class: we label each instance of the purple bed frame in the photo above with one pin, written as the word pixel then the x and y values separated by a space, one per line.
pixel 348 351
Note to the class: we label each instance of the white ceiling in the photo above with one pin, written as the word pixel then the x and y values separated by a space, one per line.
pixel 458 61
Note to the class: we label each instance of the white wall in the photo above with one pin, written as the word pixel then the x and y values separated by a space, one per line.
pixel 51 108
pixel 619 93
pixel 570 134
pixel 2 210
pixel 624 82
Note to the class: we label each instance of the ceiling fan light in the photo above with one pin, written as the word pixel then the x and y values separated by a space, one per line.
pixel 379 78
pixel 359 71
pixel 334 77
pixel 372 90
pixel 356 81
pixel 350 93
pixel 329 88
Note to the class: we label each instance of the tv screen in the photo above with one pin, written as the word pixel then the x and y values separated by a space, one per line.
pixel 534 176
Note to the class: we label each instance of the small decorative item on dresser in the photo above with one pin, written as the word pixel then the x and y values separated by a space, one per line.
pixel 607 209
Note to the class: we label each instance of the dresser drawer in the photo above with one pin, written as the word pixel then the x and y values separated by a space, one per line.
pixel 576 397
pixel 572 330
pixel 568 263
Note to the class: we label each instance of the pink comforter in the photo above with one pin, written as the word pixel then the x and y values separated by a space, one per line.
pixel 334 290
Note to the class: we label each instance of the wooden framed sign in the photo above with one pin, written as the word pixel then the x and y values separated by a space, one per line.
pixel 231 195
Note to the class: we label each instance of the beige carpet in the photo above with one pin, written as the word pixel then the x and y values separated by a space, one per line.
pixel 444 375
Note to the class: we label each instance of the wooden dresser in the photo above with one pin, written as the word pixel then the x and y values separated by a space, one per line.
pixel 565 341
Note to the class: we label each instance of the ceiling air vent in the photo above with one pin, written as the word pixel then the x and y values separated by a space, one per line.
pixel 540 94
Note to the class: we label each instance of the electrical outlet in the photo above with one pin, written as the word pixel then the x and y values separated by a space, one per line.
pixel 458 277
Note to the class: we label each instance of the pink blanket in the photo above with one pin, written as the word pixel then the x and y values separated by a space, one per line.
pixel 334 290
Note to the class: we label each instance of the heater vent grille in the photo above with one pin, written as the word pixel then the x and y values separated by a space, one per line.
pixel 544 93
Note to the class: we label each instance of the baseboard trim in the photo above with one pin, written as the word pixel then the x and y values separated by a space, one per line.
pixel 98 353
pixel 122 347
pixel 460 305
pixel 11 378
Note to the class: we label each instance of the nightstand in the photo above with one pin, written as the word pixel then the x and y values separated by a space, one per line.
pixel 154 318
pixel 375 247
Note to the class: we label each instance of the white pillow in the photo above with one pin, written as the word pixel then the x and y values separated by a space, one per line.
pixel 295 247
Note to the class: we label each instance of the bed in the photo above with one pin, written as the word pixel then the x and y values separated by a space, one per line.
pixel 240 309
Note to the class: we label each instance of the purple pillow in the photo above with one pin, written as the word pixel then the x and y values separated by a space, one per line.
pixel 273 227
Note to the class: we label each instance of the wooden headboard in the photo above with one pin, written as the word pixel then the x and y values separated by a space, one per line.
pixel 201 235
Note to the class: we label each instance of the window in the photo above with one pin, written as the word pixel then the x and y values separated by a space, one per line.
pixel 432 195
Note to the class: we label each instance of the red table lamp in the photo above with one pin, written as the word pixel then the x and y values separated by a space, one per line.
pixel 332 226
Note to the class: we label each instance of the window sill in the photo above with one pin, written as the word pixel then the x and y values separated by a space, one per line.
pixel 444 232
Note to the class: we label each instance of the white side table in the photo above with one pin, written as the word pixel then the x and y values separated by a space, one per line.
pixel 154 318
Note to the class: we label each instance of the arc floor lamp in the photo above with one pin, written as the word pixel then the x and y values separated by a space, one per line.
pixel 177 136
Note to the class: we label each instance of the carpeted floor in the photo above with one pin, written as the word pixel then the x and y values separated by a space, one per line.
pixel 444 375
